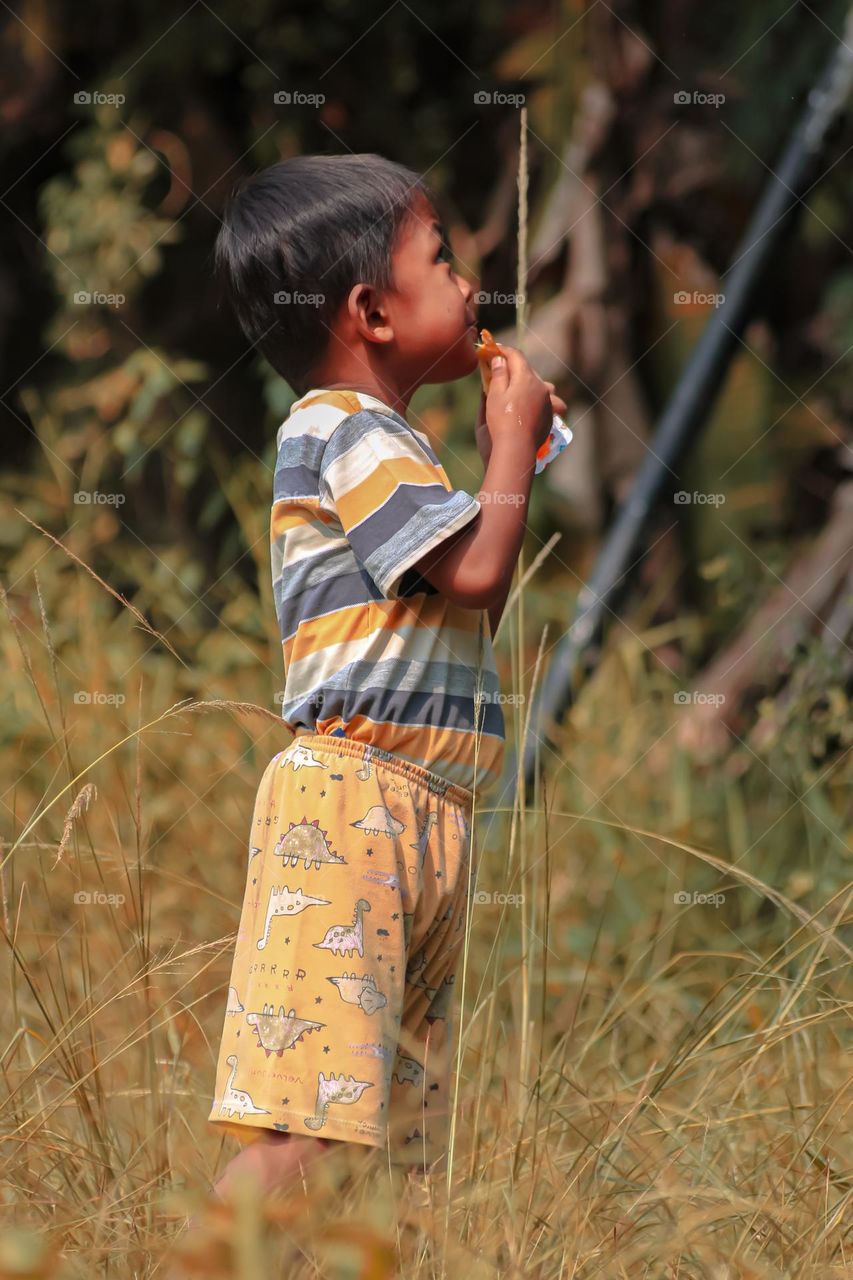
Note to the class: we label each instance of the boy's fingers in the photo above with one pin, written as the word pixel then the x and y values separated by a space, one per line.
pixel 517 364
pixel 513 355
pixel 514 366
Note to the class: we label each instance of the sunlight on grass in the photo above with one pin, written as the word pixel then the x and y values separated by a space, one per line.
pixel 677 1102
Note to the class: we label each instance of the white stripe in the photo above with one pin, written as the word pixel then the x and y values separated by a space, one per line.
pixel 318 420
pixel 420 644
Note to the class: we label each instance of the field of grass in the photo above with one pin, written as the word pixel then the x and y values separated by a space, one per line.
pixel 654 1072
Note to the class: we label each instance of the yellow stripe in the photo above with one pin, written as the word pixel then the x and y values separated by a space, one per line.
pixel 373 492
pixel 346 400
pixel 358 622
pixel 432 611
pixel 336 628
pixel 287 515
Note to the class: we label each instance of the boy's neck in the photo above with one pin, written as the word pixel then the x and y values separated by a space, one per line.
pixel 397 398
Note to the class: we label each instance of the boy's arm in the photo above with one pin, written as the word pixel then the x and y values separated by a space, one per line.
pixel 475 567
pixel 496 611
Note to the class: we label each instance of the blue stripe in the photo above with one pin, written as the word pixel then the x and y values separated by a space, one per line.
pixel 297 467
pixel 353 428
pixel 422 710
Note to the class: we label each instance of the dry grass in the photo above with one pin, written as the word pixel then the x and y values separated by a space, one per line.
pixel 647 1087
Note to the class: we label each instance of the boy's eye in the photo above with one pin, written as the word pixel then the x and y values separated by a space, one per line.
pixel 445 253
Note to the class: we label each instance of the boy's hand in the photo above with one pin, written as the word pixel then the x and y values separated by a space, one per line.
pixel 482 433
pixel 520 405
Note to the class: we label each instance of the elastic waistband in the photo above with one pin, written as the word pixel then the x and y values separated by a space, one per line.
pixel 334 745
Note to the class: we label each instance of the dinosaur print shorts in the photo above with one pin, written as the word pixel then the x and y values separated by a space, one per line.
pixel 339 1017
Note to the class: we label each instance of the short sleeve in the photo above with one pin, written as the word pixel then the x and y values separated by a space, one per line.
pixel 391 495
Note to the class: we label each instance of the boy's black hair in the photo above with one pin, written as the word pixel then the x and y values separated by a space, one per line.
pixel 308 227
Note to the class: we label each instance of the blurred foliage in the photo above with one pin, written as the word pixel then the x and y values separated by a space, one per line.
pixel 678 1107
pixel 147 392
pixel 101 236
pixel 126 199
pixel 764 57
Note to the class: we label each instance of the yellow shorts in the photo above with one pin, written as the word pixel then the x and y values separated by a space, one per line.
pixel 339 1017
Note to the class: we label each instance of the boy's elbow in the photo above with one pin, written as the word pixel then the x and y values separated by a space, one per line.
pixel 467 578
pixel 478 591
pixel 471 586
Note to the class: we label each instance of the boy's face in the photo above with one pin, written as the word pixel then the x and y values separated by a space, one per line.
pixel 430 307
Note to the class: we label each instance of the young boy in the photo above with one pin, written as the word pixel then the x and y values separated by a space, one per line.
pixel 386 581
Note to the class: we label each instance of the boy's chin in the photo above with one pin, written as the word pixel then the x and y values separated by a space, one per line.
pixel 459 362
pixel 466 357
pixel 451 373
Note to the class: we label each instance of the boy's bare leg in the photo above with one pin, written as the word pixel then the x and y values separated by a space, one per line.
pixel 424 1180
pixel 274 1159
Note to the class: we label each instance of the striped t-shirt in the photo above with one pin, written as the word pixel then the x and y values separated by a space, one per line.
pixel 371 649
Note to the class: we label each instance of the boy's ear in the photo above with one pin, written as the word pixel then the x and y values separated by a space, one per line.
pixel 367 312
